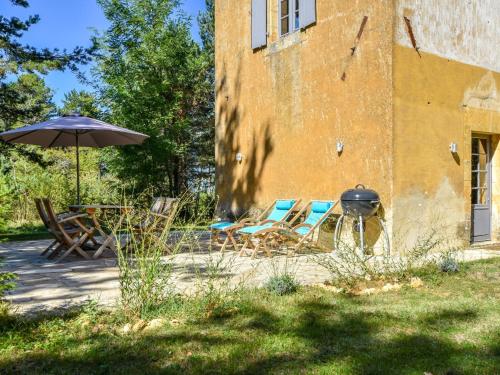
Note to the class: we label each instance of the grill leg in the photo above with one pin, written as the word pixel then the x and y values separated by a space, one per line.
pixel 386 236
pixel 362 235
pixel 338 232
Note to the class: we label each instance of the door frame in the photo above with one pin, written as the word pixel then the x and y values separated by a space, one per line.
pixel 489 197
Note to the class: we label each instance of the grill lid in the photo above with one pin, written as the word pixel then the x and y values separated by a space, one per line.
pixel 360 193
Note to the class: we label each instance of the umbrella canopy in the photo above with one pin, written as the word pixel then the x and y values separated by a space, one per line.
pixel 73 130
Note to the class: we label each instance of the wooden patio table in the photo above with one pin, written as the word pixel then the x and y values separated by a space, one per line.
pixel 109 238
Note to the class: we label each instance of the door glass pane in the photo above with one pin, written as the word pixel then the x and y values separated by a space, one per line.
pixel 475 145
pixel 483 182
pixel 479 172
pixel 483 146
pixel 483 196
pixel 482 162
pixel 473 196
pixel 475 162
pixel 474 180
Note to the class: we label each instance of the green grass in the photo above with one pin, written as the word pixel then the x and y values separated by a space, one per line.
pixel 451 326
pixel 24 232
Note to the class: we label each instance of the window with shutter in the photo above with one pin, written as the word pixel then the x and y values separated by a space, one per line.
pixel 295 14
pixel 259 23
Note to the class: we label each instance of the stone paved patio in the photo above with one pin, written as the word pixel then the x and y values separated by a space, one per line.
pixel 46 285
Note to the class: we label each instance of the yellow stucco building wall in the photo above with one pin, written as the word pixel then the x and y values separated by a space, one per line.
pixel 283 108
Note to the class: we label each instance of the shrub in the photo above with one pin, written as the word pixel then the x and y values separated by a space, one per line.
pixel 348 267
pixel 448 263
pixel 6 284
pixel 282 284
pixel 215 295
pixel 144 269
pixel 146 261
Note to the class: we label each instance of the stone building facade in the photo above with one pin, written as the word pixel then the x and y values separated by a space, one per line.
pixel 407 87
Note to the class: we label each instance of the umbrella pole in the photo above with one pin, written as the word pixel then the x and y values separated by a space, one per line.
pixel 77 171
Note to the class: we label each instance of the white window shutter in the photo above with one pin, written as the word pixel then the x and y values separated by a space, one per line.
pixel 307 15
pixel 259 23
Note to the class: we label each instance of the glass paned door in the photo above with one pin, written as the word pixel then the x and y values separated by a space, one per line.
pixel 481 189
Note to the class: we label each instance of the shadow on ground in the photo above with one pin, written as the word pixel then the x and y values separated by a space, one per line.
pixel 325 335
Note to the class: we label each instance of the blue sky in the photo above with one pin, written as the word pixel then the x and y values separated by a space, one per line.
pixel 68 23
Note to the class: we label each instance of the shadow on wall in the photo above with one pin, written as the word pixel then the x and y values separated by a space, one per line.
pixel 238 181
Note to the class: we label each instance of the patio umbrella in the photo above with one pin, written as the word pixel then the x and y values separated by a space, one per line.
pixel 73 130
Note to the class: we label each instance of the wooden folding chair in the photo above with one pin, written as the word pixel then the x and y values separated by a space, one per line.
pixel 45 220
pixel 69 231
pixel 160 215
pixel 62 215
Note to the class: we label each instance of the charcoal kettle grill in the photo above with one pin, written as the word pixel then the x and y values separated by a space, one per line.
pixel 361 204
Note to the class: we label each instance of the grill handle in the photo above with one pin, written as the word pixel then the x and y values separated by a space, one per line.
pixel 360 186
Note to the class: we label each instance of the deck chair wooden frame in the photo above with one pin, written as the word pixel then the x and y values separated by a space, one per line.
pixel 45 220
pixel 260 220
pixel 281 232
pixel 70 237
pixel 156 220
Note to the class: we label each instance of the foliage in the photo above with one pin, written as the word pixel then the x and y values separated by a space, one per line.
pixel 5 201
pixel 215 295
pixel 6 282
pixel 145 275
pixel 83 103
pixel 282 280
pixel 348 266
pixel 448 263
pixel 26 171
pixel 26 181
pixel 411 331
pixel 282 284
pixel 154 81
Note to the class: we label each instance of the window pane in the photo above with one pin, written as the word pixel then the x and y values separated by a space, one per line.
pixel 284 8
pixel 296 20
pixel 284 26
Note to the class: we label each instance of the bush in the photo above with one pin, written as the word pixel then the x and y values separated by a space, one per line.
pixel 146 261
pixel 6 282
pixel 348 267
pixel 282 284
pixel 22 181
pixel 448 264
pixel 216 294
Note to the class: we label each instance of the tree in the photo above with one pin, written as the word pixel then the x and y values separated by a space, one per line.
pixel 154 81
pixel 205 135
pixel 24 98
pixel 81 102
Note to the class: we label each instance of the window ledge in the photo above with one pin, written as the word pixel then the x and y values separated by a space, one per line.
pixel 285 42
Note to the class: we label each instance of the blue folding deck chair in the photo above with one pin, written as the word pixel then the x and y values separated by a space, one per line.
pixel 279 211
pixel 301 233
